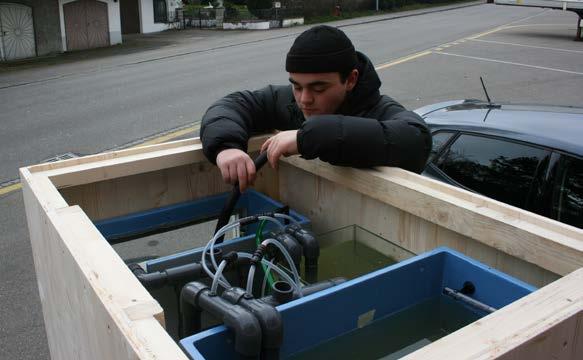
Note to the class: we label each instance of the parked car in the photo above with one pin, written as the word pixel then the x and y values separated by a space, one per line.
pixel 528 156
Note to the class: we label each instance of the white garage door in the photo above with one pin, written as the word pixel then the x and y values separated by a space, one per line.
pixel 16 32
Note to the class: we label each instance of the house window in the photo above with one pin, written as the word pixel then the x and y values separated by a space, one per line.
pixel 160 11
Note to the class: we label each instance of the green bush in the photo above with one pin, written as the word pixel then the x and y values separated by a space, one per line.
pixel 231 11
pixel 255 7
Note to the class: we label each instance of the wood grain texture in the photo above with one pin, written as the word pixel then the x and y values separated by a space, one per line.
pixel 93 306
pixel 95 309
pixel 548 244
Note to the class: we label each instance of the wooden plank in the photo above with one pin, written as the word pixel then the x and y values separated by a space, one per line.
pixel 153 189
pixel 90 298
pixel 95 308
pixel 129 194
pixel 112 155
pixel 123 163
pixel 126 166
pixel 546 324
pixel 338 206
pixel 549 244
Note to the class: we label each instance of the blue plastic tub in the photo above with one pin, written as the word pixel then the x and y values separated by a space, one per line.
pixel 364 301
pixel 145 222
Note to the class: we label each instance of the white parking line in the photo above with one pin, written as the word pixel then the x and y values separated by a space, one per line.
pixel 528 46
pixel 508 63
pixel 537 25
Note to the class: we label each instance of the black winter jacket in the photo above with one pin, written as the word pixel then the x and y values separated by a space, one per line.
pixel 367 130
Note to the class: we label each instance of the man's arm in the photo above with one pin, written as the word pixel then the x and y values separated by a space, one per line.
pixel 226 128
pixel 230 121
pixel 397 138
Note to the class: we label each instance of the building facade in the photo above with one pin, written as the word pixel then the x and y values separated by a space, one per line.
pixel 30 28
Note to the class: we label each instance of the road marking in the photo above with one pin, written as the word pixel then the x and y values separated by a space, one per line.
pixel 505 26
pixel 10 188
pixel 486 32
pixel 157 140
pixel 527 25
pixel 509 63
pixel 171 135
pixel 402 60
pixel 455 42
pixel 528 46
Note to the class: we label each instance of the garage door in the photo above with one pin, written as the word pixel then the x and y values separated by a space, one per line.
pixel 16 32
pixel 86 24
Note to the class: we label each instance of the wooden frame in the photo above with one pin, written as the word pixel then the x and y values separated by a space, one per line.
pixel 94 308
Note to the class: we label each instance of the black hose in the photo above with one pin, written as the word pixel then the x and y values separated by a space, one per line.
pixel 234 197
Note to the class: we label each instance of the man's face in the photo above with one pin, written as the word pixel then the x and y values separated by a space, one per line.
pixel 321 93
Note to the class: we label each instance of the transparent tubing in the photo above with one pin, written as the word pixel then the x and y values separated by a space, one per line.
pixel 218 275
pixel 271 219
pixel 211 244
pixel 287 258
pixel 250 277
pixel 277 269
pixel 223 230
pixel 267 270
pixel 287 217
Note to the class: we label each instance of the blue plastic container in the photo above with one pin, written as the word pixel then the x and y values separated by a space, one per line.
pixel 151 221
pixel 331 313
pixel 251 202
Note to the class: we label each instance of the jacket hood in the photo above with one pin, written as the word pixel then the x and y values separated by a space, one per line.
pixel 366 91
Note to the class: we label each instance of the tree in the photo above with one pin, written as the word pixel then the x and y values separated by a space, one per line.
pixel 258 7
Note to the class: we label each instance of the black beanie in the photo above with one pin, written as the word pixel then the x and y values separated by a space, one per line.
pixel 321 49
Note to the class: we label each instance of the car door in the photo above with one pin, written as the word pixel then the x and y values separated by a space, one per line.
pixel 567 191
pixel 496 167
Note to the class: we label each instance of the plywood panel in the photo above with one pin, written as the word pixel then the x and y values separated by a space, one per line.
pixel 150 190
pixel 338 206
pixel 94 308
pixel 551 245
pixel 90 299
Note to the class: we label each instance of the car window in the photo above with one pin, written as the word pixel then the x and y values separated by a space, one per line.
pixel 500 169
pixel 439 139
pixel 568 192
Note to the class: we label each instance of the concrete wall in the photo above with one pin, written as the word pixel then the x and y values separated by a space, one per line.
pixel 47 30
pixel 114 21
pixel 147 24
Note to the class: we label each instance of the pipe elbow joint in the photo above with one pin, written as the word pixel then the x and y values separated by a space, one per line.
pixel 247 331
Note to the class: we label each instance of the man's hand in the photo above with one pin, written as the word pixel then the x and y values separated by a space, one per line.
pixel 284 143
pixel 236 165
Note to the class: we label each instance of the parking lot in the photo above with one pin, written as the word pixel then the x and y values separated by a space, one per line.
pixel 534 60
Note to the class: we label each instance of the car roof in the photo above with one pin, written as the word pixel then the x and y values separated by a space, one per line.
pixel 555 127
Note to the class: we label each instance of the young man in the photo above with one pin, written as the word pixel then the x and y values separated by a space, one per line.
pixel 333 111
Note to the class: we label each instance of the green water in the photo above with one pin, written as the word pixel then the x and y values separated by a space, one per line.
pixel 397 335
pixel 350 259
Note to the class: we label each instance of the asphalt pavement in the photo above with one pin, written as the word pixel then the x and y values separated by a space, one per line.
pixel 92 101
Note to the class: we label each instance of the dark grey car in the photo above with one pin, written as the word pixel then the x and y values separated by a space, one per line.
pixel 524 155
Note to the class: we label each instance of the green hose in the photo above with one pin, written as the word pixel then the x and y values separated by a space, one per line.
pixel 258 239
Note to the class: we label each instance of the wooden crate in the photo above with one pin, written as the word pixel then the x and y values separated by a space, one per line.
pixel 94 308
